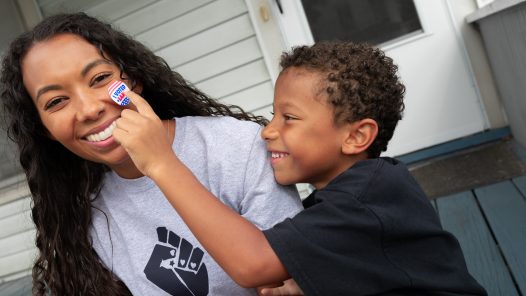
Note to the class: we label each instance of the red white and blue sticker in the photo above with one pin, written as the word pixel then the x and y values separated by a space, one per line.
pixel 116 90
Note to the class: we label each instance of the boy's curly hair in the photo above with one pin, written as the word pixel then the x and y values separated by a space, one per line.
pixel 361 82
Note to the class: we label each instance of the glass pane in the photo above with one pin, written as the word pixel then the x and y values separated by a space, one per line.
pixel 373 21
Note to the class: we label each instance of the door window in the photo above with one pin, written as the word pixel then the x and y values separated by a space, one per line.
pixel 373 21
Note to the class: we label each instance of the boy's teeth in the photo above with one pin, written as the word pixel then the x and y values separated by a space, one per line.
pixel 278 154
pixel 102 135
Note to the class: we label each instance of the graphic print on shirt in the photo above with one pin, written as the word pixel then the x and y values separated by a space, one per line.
pixel 176 266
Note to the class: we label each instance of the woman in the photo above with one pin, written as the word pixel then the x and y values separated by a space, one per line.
pixel 102 227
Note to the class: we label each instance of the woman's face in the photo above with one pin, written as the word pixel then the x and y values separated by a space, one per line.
pixel 68 78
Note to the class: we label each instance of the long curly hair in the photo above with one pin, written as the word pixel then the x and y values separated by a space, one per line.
pixel 62 184
pixel 360 81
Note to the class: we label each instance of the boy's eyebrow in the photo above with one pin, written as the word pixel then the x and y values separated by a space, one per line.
pixel 91 65
pixel 84 71
pixel 287 104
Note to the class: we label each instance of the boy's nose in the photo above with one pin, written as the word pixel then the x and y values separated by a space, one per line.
pixel 89 109
pixel 269 132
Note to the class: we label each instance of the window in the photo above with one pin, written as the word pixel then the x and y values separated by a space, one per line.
pixel 373 21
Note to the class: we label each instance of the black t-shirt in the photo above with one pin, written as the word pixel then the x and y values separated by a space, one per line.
pixel 371 231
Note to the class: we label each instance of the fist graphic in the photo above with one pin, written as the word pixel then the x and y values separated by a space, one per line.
pixel 176 266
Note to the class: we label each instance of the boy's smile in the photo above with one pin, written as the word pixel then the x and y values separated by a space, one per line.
pixel 276 156
pixel 304 142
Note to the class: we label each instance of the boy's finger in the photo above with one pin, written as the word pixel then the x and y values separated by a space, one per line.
pixel 140 103
pixel 119 135
pixel 130 121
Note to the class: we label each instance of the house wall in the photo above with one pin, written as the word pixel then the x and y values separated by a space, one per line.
pixel 17 232
pixel 11 24
pixel 477 55
pixel 17 248
pixel 502 27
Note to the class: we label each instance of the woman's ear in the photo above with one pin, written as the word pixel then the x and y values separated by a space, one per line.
pixel 137 87
pixel 360 135
pixel 49 135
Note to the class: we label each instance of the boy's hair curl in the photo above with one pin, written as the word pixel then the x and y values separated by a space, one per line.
pixel 360 82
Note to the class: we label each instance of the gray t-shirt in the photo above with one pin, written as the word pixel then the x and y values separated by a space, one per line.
pixel 140 236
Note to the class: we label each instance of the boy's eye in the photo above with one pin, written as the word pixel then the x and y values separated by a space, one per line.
pixel 53 102
pixel 288 117
pixel 99 78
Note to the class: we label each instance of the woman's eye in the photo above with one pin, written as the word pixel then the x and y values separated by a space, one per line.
pixel 99 78
pixel 53 102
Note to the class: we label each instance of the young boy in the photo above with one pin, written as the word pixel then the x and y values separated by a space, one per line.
pixel 368 228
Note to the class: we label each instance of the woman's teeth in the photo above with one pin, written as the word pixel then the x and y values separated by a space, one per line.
pixel 102 135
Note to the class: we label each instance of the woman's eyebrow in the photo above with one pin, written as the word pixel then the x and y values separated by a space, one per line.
pixel 91 65
pixel 46 89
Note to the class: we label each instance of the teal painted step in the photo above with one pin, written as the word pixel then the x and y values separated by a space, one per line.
pixel 460 215
pixel 505 210
pixel 455 145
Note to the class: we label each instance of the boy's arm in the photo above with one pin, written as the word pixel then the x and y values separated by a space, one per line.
pixel 236 244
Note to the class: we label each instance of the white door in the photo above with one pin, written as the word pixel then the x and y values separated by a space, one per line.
pixel 442 101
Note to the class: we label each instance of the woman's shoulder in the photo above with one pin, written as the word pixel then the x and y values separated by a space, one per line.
pixel 221 120
pixel 218 140
pixel 218 125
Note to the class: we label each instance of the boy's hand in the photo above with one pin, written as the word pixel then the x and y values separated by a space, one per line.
pixel 289 287
pixel 142 134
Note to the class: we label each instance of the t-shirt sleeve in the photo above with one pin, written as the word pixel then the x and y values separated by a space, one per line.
pixel 335 246
pixel 265 202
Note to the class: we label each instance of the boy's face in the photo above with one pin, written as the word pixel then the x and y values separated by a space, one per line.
pixel 305 143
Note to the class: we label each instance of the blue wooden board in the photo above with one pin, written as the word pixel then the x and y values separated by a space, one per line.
pixel 434 204
pixel 505 210
pixel 520 182
pixel 460 215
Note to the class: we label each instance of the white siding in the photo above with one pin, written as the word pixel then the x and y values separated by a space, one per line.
pixel 17 232
pixel 212 43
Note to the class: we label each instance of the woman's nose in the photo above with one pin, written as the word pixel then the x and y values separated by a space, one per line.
pixel 89 108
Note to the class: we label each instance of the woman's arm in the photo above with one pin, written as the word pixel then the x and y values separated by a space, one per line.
pixel 236 244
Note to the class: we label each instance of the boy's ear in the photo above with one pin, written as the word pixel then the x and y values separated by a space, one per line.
pixel 361 134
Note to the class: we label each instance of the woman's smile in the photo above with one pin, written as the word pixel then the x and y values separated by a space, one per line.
pixel 68 83
pixel 104 135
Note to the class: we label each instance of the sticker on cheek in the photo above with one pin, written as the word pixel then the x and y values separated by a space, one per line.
pixel 116 90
